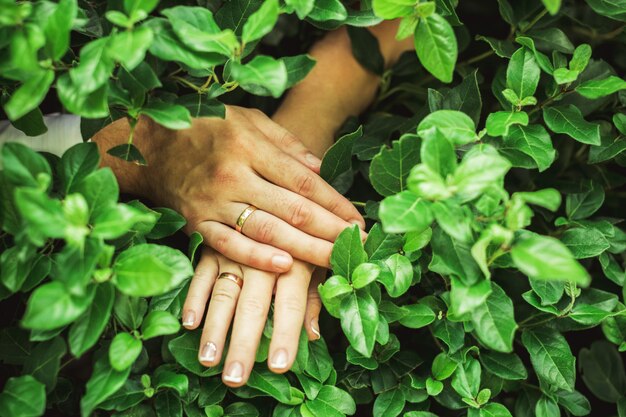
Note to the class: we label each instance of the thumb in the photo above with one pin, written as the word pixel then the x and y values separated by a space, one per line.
pixel 314 306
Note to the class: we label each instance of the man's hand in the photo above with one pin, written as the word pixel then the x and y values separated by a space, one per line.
pixel 212 171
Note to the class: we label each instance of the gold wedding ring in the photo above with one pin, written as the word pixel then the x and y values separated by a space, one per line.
pixel 231 277
pixel 243 217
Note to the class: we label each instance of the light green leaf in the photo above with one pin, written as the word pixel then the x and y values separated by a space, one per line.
pixel 124 350
pixel 52 306
pixel 390 9
pixel 498 123
pixel 455 125
pixel 159 323
pixel 585 242
pixel 261 22
pixel 23 396
pixel 494 322
pixel 359 321
pixel 594 89
pixel 364 274
pixel 436 46
pixel 404 212
pixel 85 332
pixel 390 167
pixel 522 73
pixel 417 316
pixel 146 269
pixel 543 257
pixel 104 382
pixel 504 365
pixel 263 75
pixel 466 379
pixel 481 167
pixel 348 252
pixel 553 6
pixel 389 403
pixel 29 95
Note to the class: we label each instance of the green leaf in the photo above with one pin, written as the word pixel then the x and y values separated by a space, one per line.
pixel 547 407
pixel 466 379
pixel 610 9
pixel 263 75
pixel 22 166
pixel 438 153
pixel 548 198
pixel 365 50
pixel 78 162
pixel 498 123
pixel 507 366
pixel 481 167
pixel 184 348
pixel 417 316
pixel 494 322
pixel 364 274
pixel 172 116
pixel 23 396
pixel 85 332
pixel 359 320
pixel 124 350
pixel 494 410
pixel 456 126
pixel 595 89
pixel 146 269
pixel 436 46
pixel 302 7
pixel 396 275
pixel 553 6
pixel 522 73
pixel 330 402
pixel 550 292
pixel 29 95
pixel 390 167
pixel 169 223
pixel 380 245
pixel 603 371
pixel 348 252
pixel 574 402
pixel 129 47
pixel 569 120
pixel 581 57
pixel 551 357
pixel 261 22
pixel 196 28
pixel 451 257
pixel 404 212
pixel 104 382
pixel 159 323
pixel 389 403
pixel 128 152
pixel 51 306
pixel 585 242
pixel 338 158
pixel 433 387
pixel 95 65
pixel 89 104
pixel 298 67
pixel 464 299
pixel 586 202
pixel 390 9
pixel 324 10
pixel 543 257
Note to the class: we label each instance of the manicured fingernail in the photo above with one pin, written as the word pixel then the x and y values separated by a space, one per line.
pixel 279 360
pixel 315 329
pixel 234 373
pixel 208 352
pixel 313 160
pixel 189 318
pixel 281 261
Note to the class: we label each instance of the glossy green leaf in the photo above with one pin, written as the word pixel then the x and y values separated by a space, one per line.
pixel 436 46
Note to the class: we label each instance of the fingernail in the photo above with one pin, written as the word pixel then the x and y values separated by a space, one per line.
pixel 189 318
pixel 358 223
pixel 234 373
pixel 281 261
pixel 313 160
pixel 279 360
pixel 208 352
pixel 315 329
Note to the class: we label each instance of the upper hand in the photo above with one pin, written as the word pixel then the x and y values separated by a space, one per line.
pixel 212 171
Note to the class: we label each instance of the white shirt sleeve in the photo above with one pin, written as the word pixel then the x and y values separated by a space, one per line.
pixel 63 133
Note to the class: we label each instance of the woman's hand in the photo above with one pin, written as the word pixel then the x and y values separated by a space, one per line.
pixel 249 305
pixel 212 171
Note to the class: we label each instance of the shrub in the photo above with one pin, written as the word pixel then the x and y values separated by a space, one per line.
pixel 478 292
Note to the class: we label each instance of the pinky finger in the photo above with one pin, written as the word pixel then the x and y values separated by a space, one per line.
pixel 314 306
pixel 199 289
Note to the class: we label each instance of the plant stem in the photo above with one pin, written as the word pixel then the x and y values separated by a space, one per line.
pixel 534 21
pixel 358 203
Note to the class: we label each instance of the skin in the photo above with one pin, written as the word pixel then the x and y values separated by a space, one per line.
pixel 212 171
pixel 313 111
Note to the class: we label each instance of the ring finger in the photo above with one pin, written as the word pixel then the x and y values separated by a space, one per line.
pixel 265 228
pixel 220 313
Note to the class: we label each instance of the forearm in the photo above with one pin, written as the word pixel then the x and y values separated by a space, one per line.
pixel 336 88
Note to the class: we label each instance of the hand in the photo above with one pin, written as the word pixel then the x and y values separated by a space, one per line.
pixel 293 306
pixel 212 171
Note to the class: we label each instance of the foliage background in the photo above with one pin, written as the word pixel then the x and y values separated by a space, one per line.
pixel 491 283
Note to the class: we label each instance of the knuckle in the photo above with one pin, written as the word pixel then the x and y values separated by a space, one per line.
pixel 251 307
pixel 222 243
pixel 291 305
pixel 288 139
pixel 335 204
pixel 266 231
pixel 300 213
pixel 305 184
pixel 222 295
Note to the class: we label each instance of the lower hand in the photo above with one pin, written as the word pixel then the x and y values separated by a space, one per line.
pixel 296 302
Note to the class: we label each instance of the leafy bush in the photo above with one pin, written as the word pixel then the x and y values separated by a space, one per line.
pixel 478 290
